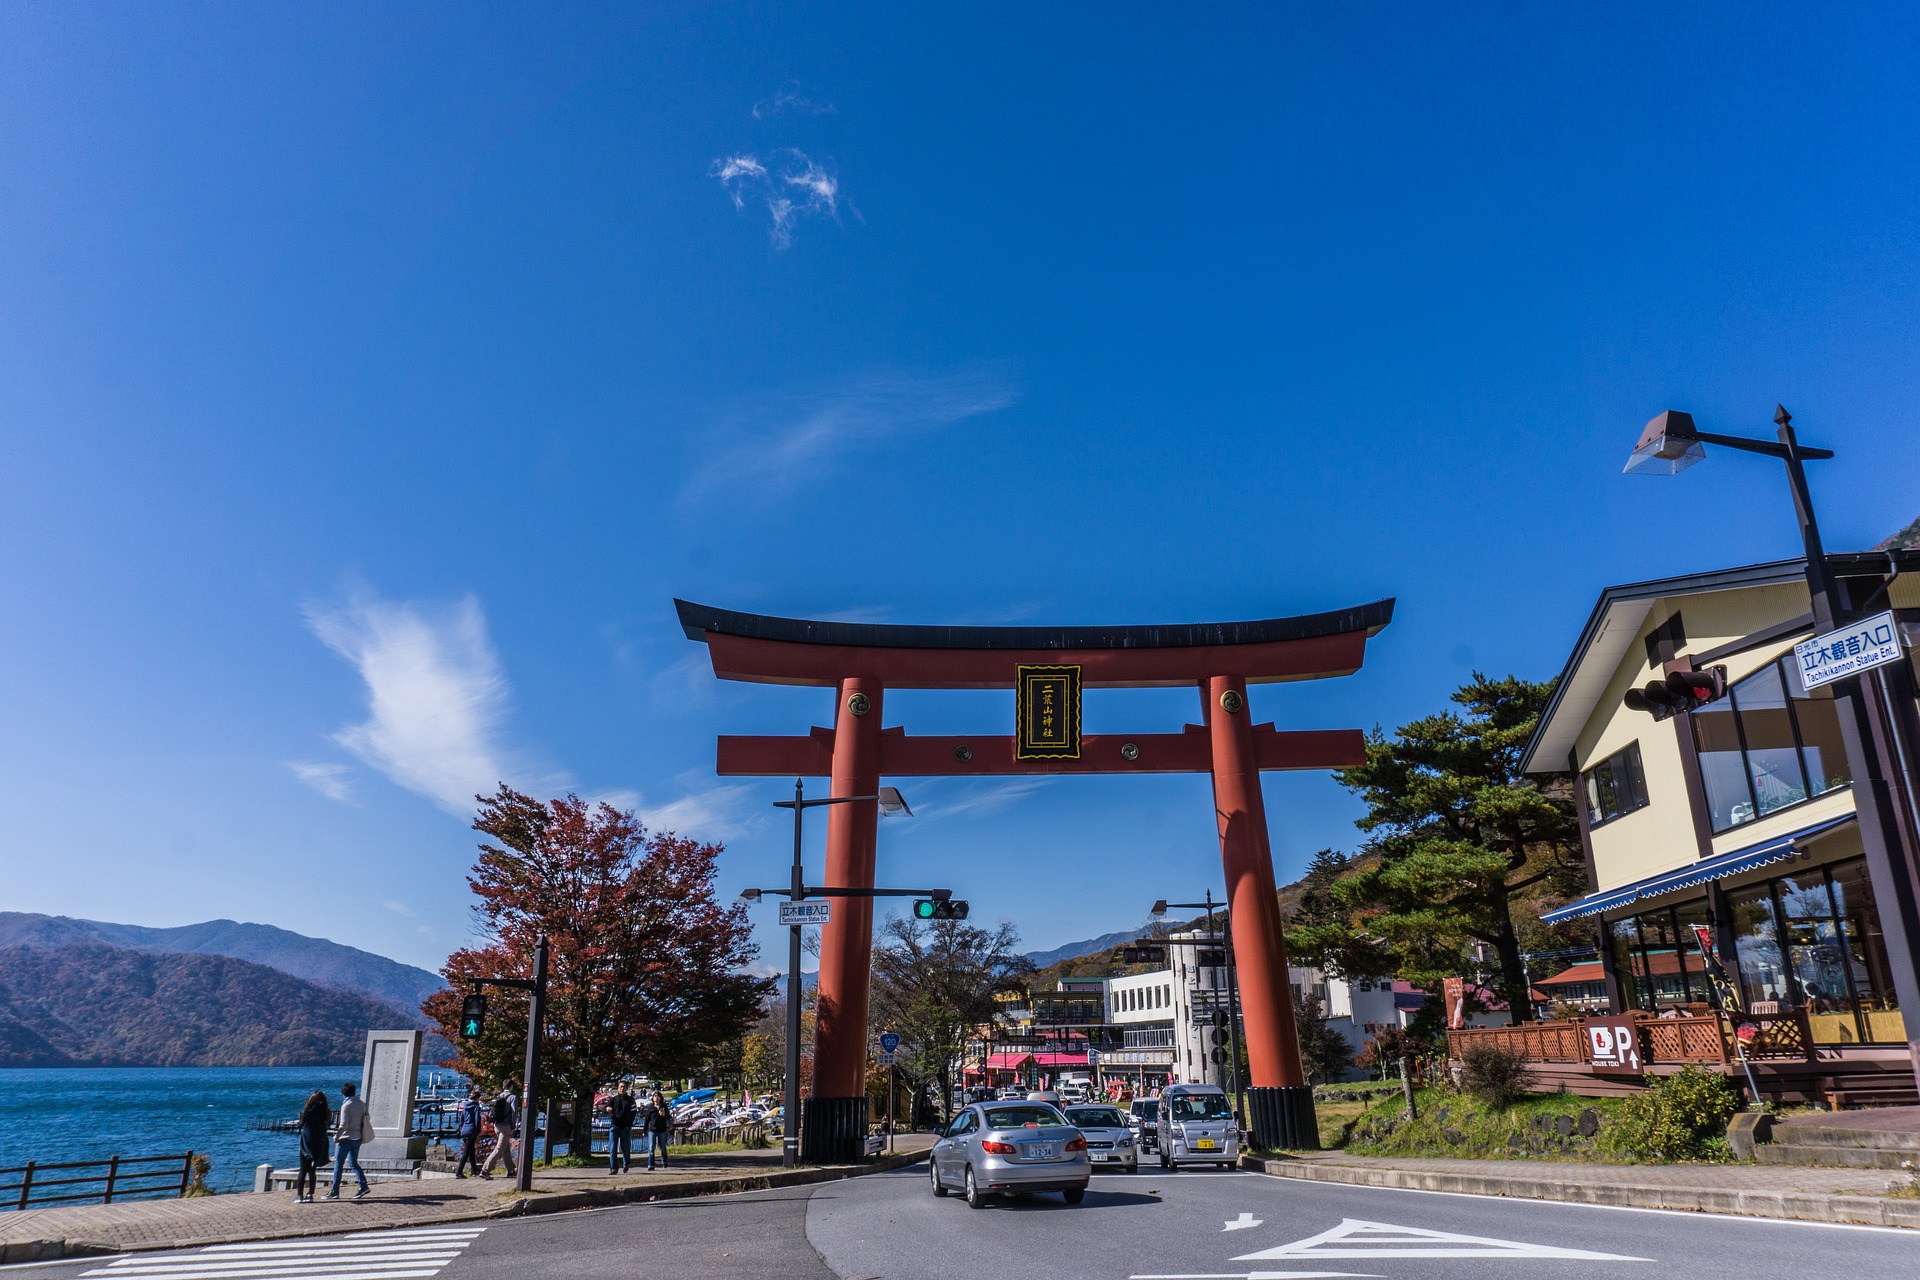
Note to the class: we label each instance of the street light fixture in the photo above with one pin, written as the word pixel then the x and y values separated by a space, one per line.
pixel 891 803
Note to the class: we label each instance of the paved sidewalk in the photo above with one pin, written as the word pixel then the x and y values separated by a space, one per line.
pixel 36 1234
pixel 1768 1191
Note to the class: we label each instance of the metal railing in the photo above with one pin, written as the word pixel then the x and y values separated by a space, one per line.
pixel 126 1178
pixel 1708 1039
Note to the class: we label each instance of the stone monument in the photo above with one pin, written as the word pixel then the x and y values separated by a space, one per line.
pixel 387 1081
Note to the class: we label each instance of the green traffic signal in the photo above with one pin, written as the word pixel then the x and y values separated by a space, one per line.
pixel 473 1016
pixel 924 909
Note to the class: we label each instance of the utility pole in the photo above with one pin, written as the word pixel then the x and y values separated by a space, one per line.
pixel 536 989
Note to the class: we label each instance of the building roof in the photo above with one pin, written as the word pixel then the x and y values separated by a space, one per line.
pixel 1615 623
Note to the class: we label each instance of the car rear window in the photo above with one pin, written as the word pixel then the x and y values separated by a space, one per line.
pixel 1096 1117
pixel 1033 1113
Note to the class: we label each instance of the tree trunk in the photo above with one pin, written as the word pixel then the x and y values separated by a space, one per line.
pixel 1513 973
pixel 580 1140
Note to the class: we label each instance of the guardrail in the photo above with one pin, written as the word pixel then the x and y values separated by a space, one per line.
pixel 122 1181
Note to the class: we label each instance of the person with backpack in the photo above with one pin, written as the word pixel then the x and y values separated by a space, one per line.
pixel 505 1114
pixel 620 1112
pixel 356 1127
pixel 659 1129
pixel 316 1118
pixel 470 1113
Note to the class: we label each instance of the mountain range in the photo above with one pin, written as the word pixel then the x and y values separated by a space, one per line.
pixel 220 993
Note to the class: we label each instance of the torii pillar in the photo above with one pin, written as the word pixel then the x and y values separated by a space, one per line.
pixel 861 661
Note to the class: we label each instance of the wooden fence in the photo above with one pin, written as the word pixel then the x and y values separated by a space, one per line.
pixel 1708 1040
pixel 124 1178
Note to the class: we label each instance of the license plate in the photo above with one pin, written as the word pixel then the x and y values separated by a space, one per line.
pixel 1040 1150
pixel 1204 1144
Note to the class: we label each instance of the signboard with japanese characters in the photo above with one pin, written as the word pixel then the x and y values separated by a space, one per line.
pixel 1613 1045
pixel 1046 712
pixel 1847 651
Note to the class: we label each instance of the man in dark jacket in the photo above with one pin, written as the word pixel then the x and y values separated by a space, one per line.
pixel 505 1115
pixel 620 1111
pixel 470 1111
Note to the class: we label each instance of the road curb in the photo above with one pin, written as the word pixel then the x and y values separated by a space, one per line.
pixel 523 1206
pixel 1878 1211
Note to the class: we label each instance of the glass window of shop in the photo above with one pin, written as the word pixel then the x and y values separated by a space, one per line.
pixel 1767 745
pixel 1657 959
pixel 1811 940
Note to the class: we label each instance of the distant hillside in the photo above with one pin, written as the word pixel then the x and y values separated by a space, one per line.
pixel 1087 946
pixel 1907 537
pixel 85 1004
pixel 327 964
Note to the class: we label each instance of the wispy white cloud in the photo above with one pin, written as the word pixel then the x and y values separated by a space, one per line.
pixel 715 813
pixel 330 780
pixel 435 695
pixel 398 908
pixel 788 182
pixel 985 798
pixel 788 98
pixel 790 440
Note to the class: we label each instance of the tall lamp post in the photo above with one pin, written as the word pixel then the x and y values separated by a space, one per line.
pixel 1233 986
pixel 798 890
pixel 1671 443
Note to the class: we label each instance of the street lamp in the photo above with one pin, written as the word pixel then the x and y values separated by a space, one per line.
pixel 891 804
pixel 1233 983
pixel 1671 443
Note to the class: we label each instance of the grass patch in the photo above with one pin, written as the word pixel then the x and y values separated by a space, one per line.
pixel 1453 1124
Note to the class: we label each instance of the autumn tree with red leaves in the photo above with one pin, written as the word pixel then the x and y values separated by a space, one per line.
pixel 643 962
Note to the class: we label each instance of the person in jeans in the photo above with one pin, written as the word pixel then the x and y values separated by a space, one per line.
pixel 620 1111
pixel 356 1127
pixel 316 1118
pixel 659 1129
pixel 505 1115
pixel 470 1113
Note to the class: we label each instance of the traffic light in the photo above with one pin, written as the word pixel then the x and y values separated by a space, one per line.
pixel 1142 955
pixel 940 909
pixel 1680 691
pixel 473 1016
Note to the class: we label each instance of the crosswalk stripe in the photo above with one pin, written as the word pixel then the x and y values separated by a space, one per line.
pixel 364 1255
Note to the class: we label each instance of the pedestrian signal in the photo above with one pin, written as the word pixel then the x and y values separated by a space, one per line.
pixel 473 1016
pixel 940 909
pixel 1679 691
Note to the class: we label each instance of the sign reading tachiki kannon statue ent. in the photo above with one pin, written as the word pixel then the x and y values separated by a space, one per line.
pixel 1046 668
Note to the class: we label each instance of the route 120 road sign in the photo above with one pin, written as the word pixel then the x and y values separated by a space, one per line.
pixel 890 1041
pixel 806 912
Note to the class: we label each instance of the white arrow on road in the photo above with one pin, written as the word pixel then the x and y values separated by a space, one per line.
pixel 1242 1222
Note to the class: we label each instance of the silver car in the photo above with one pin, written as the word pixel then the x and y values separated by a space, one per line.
pixel 1109 1138
pixel 994 1148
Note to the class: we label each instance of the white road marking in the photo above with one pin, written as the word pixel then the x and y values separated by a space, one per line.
pixel 365 1255
pixel 1263 1275
pixel 1356 1238
pixel 1242 1222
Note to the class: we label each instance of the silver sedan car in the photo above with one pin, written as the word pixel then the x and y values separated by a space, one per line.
pixel 1109 1139
pixel 993 1148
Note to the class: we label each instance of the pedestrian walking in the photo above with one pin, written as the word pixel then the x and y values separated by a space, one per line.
pixel 356 1127
pixel 470 1114
pixel 505 1114
pixel 659 1129
pixel 620 1111
pixel 315 1119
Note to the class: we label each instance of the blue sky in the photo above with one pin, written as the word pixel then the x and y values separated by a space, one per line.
pixel 372 377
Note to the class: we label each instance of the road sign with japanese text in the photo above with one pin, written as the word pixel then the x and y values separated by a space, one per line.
pixel 806 912
pixel 1847 651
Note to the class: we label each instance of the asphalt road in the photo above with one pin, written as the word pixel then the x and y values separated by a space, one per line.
pixel 1150 1226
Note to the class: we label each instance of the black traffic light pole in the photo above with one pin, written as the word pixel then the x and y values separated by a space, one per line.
pixel 798 891
pixel 1233 984
pixel 536 1026
pixel 1865 708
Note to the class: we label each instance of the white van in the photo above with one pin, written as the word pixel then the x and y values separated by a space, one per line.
pixel 1196 1126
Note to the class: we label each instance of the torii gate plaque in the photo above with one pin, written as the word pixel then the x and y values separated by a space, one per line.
pixel 861 661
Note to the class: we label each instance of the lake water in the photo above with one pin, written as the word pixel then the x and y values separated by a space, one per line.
pixel 91 1113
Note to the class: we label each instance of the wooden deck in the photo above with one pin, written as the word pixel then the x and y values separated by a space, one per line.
pixel 1787 1065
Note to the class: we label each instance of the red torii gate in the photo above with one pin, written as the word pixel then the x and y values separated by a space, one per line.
pixel 863 660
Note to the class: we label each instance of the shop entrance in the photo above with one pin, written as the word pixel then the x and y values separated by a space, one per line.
pixel 1047 667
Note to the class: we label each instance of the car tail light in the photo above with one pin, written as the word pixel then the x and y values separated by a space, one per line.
pixel 993 1148
pixel 1076 1144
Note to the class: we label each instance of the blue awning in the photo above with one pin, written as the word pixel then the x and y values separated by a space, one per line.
pixel 1717 868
